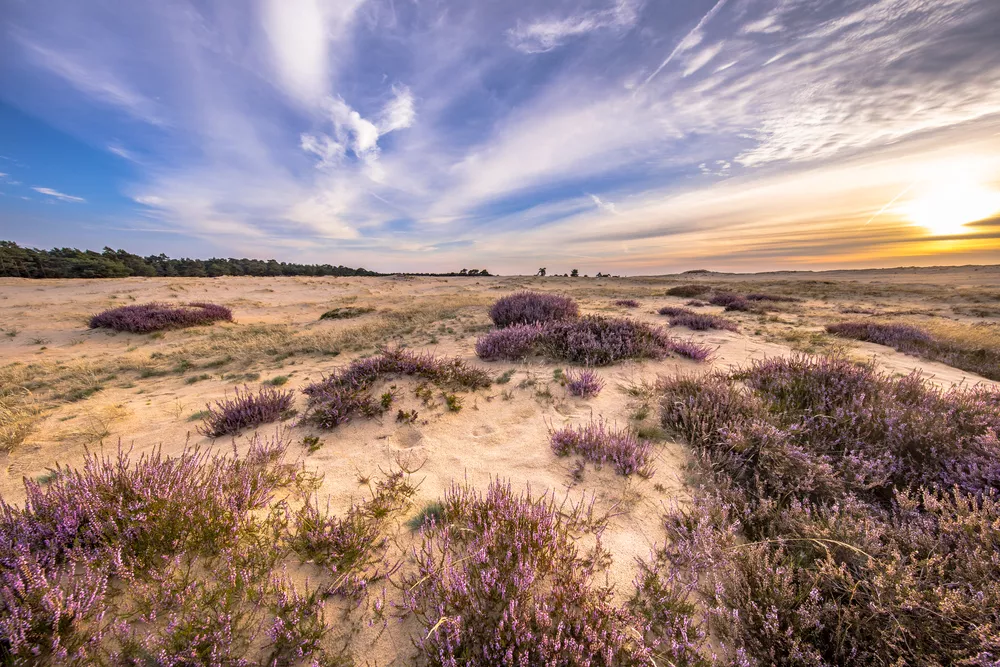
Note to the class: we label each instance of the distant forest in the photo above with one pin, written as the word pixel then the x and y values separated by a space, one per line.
pixel 18 262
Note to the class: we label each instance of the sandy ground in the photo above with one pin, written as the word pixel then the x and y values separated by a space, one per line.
pixel 500 432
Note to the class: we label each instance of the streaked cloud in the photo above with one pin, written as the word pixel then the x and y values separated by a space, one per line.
pixel 58 195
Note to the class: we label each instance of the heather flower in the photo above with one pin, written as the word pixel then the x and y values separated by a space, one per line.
pixel 600 443
pixel 532 308
pixel 627 303
pixel 585 383
pixel 682 317
pixel 511 343
pixel 145 318
pixel 246 410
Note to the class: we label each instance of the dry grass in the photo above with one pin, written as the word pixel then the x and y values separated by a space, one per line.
pixel 19 410
pixel 95 424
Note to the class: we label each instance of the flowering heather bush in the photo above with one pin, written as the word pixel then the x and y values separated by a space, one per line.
pixel 773 298
pixel 600 443
pixel 682 317
pixel 690 349
pixel 337 398
pixel 627 303
pixel 174 561
pixel 696 303
pixel 501 581
pixel 585 383
pixel 591 340
pixel 975 356
pixel 246 410
pixel 851 518
pixel 511 343
pixel 725 299
pixel 599 341
pixel 532 308
pixel 145 318
pixel 688 291
pixel 903 337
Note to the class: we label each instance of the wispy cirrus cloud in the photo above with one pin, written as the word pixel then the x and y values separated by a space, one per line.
pixel 55 194
pixel 410 135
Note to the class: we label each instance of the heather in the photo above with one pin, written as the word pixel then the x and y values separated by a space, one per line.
pixel 246 409
pixel 585 383
pixel 683 317
pixel 688 291
pixel 591 340
pixel 600 443
pixel 181 560
pixel 956 346
pixel 340 397
pixel 847 516
pixel 345 313
pixel 504 579
pixel 532 308
pixel 149 317
pixel 627 303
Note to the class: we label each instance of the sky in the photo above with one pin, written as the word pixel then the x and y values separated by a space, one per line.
pixel 617 136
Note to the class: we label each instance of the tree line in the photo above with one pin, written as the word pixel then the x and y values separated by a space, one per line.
pixel 18 262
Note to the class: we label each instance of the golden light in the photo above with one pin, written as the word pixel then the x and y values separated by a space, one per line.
pixel 945 208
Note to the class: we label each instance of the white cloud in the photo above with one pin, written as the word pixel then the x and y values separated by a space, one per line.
pixel 58 195
pixel 399 113
pixel 702 58
pixel 606 206
pixel 690 40
pixel 767 25
pixel 121 152
pixel 546 35
pixel 301 33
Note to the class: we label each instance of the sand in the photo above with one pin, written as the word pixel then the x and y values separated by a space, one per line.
pixel 502 432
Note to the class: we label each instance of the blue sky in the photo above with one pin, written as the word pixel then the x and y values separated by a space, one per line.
pixel 607 135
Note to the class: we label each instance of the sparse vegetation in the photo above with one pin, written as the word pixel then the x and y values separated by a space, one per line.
pixel 601 443
pixel 682 317
pixel 586 383
pixel 247 409
pixel 530 308
pixel 627 303
pixel 150 317
pixel 346 313
pixel 689 291
pixel 591 340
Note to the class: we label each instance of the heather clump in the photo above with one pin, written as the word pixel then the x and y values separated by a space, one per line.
pixel 146 318
pixel 847 517
pixel 627 303
pixel 247 409
pixel 591 340
pixel 689 291
pixel 346 313
pixel 532 308
pixel 585 383
pixel 179 560
pixel 903 337
pixel 601 443
pixel 683 317
pixel 339 397
pixel 502 580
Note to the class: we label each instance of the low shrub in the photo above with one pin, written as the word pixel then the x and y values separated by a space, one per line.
pixel 145 318
pixel 696 303
pixel 627 303
pixel 585 383
pixel 511 343
pixel 961 346
pixel 246 410
pixel 532 308
pixel 337 398
pixel 345 313
pixel 773 298
pixel 725 299
pixel 591 340
pixel 179 560
pixel 682 317
pixel 688 291
pixel 674 311
pixel 600 443
pixel 903 337
pixel 846 519
pixel 500 580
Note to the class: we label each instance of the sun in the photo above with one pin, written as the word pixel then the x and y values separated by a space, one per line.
pixel 945 208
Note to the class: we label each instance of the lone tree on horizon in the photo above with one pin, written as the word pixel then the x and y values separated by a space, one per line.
pixel 541 272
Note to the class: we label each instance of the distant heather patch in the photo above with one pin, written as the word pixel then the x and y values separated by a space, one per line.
pixel 345 313
pixel 688 291
pixel 627 303
pixel 149 317
pixel 532 308
pixel 681 317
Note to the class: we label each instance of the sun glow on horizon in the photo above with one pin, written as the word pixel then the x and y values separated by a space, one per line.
pixel 946 207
